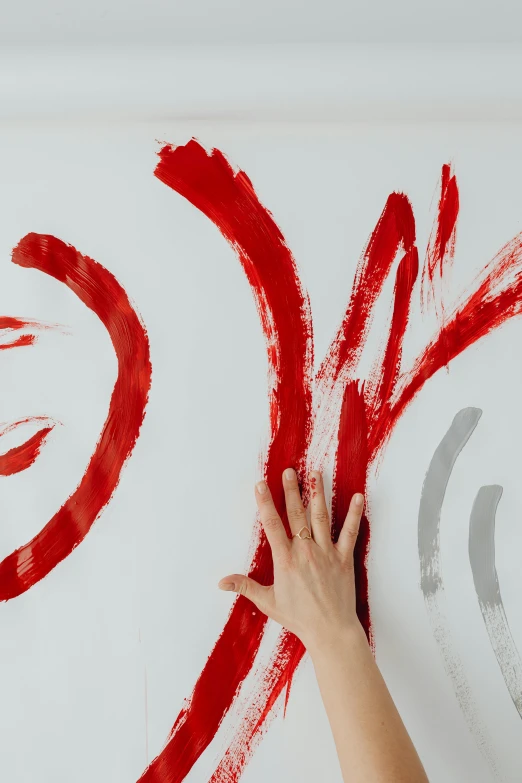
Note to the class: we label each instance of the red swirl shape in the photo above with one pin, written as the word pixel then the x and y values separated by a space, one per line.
pixel 99 290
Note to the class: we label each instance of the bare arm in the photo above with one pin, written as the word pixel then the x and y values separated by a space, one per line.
pixel 313 596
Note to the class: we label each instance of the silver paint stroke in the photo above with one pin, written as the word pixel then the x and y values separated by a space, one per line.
pixel 432 585
pixel 482 560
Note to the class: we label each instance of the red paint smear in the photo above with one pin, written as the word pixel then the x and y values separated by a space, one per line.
pixel 101 293
pixel 11 322
pixel 441 247
pixel 229 200
pixel 22 457
pixel 24 339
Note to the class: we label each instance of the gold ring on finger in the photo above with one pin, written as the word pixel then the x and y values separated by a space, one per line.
pixel 304 536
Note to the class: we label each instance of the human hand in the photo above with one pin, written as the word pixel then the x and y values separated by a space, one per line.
pixel 313 594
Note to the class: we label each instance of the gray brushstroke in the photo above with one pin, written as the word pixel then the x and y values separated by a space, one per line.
pixel 482 559
pixel 432 586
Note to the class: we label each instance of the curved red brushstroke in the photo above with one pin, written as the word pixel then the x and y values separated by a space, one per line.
pixel 101 293
pixel 441 246
pixel 229 200
pixel 22 457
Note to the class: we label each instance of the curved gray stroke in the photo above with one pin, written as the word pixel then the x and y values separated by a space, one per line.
pixel 431 579
pixel 485 578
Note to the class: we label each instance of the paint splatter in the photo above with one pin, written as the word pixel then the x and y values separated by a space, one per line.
pixel 487 588
pixel 432 585
pixel 22 457
pixel 101 292
pixel 228 199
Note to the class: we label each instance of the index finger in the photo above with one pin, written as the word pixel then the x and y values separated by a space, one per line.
pixel 270 520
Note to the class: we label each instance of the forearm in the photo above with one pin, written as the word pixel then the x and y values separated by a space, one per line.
pixel 372 742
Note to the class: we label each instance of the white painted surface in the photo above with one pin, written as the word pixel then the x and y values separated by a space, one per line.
pixel 72 664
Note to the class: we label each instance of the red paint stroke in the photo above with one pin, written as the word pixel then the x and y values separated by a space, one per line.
pixel 366 411
pixel 350 474
pixel 229 200
pixel 441 246
pixel 395 229
pixel 22 457
pixel 9 323
pixel 19 342
pixel 96 287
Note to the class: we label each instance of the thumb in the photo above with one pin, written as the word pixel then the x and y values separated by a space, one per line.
pixel 243 585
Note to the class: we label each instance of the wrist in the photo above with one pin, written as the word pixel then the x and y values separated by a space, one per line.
pixel 337 642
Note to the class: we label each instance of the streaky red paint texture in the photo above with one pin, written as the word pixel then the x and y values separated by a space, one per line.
pixel 441 246
pixel 22 457
pixel 366 412
pixel 19 342
pixel 229 200
pixel 99 290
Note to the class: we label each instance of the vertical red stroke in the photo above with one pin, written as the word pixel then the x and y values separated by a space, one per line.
pixel 386 371
pixel 395 228
pixel 229 200
pixel 99 290
pixel 350 472
pixel 441 246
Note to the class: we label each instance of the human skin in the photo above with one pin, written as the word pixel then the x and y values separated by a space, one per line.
pixel 313 596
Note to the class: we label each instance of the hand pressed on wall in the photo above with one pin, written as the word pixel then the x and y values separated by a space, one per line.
pixel 313 594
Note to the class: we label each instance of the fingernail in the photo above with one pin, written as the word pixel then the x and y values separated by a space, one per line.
pixel 289 474
pixel 226 585
pixel 358 499
pixel 261 487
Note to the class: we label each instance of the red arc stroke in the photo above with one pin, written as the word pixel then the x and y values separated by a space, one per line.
pixel 99 290
pixel 366 412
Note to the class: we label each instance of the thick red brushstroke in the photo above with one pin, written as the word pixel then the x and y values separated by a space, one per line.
pixel 395 229
pixel 22 457
pixel 100 292
pixel 441 246
pixel 350 473
pixel 229 200
pixel 386 371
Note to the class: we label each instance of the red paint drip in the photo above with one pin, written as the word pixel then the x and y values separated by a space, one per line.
pixel 441 247
pixel 22 457
pixel 102 293
pixel 229 200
